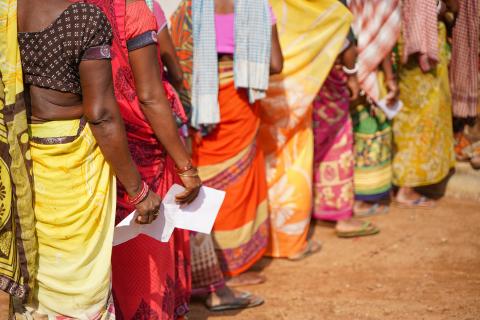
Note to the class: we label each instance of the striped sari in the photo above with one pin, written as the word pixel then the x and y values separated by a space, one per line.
pixel 229 159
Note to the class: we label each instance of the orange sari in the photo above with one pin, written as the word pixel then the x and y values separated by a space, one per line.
pixel 311 35
pixel 229 159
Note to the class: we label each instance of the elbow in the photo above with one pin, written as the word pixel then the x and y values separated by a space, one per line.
pixel 276 67
pixel 98 116
pixel 146 98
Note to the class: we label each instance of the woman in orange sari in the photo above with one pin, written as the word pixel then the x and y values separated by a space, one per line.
pixel 225 114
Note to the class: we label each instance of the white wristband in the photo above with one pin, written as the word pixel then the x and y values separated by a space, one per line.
pixel 350 72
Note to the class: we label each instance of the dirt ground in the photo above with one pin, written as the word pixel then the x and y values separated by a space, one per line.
pixel 423 265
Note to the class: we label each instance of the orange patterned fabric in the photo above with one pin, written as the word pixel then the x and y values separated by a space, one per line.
pixel 228 159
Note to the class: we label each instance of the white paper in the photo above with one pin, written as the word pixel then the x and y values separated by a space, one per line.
pixel 198 216
pixel 390 111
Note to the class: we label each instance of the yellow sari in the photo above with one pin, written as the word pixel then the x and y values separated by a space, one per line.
pixel 311 35
pixel 75 200
pixel 422 131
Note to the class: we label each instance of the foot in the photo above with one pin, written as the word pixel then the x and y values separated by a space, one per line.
pixel 311 247
pixel 475 162
pixel 351 228
pixel 349 225
pixel 228 299
pixel 408 197
pixel 364 209
pixel 246 279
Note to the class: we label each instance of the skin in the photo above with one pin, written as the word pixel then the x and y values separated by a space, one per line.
pixel 169 58
pixel 97 105
pixel 157 110
pixel 348 59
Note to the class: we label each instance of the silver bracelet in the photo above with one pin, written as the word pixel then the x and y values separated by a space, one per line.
pixel 350 72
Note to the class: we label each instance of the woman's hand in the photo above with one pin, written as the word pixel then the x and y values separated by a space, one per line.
pixel 192 183
pixel 149 208
pixel 393 92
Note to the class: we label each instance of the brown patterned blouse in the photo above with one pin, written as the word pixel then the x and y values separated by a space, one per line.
pixel 51 57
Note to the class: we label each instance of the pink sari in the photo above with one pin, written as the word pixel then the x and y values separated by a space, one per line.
pixel 333 150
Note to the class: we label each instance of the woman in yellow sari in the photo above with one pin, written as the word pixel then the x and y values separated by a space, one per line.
pixel 75 142
pixel 423 134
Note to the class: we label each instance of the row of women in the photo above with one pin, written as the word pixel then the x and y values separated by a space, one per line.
pixel 95 100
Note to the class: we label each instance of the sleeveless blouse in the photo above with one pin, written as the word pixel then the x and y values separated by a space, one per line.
pixel 225 31
pixel 51 57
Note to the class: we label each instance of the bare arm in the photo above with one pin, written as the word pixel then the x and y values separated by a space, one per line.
pixel 349 58
pixel 155 106
pixel 101 112
pixel 276 62
pixel 169 58
pixel 390 80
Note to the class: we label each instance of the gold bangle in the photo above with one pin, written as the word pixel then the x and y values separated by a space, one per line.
pixel 188 175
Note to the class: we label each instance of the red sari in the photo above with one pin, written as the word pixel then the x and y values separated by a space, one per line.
pixel 151 280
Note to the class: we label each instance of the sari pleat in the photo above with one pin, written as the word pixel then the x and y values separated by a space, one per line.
pixel 229 159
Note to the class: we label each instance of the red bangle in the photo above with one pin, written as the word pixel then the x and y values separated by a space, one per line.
pixel 140 196
pixel 188 167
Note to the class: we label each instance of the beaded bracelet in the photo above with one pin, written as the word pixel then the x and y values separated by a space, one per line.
pixel 140 196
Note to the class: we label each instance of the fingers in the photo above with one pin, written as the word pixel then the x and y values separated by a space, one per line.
pixel 148 209
pixel 188 196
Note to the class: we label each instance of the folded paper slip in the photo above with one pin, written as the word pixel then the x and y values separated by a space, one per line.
pixel 198 216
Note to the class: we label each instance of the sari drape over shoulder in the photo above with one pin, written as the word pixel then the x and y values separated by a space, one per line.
pixel 18 243
pixel 312 34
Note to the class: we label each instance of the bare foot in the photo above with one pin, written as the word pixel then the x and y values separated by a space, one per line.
pixel 409 198
pixel 246 279
pixel 352 227
pixel 228 299
pixel 311 247
pixel 364 209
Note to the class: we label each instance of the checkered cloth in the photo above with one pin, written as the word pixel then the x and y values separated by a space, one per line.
pixel 377 26
pixel 253 33
pixel 206 273
pixel 251 56
pixel 205 108
pixel 464 74
pixel 420 29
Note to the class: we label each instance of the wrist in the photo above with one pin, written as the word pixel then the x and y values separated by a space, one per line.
pixel 184 166
pixel 350 71
pixel 134 188
pixel 139 196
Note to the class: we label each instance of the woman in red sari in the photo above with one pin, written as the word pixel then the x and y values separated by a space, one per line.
pixel 150 279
